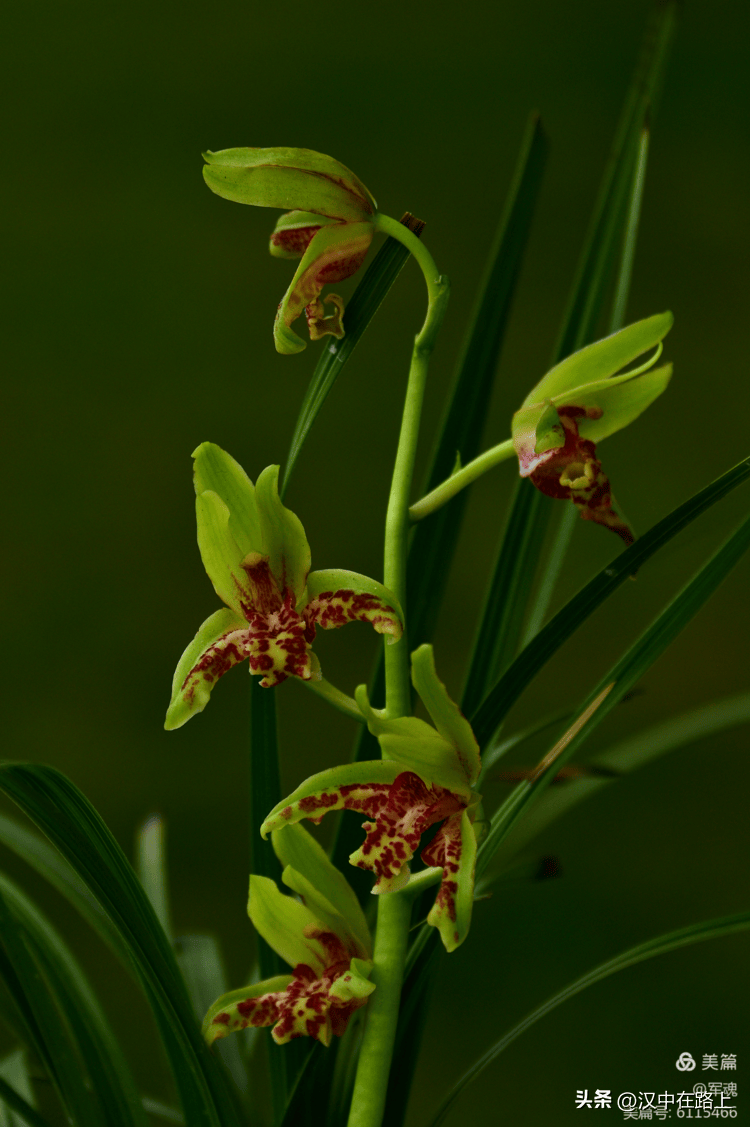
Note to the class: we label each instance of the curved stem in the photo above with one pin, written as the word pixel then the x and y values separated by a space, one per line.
pixel 452 485
pixel 334 696
pixel 394 909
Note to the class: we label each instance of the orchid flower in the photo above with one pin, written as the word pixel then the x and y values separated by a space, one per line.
pixel 256 555
pixel 425 777
pixel 578 403
pixel 330 226
pixel 324 937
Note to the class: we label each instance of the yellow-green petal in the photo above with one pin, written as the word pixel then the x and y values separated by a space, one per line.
pixel 297 849
pixel 284 540
pixel 217 471
pixel 208 655
pixel 289 179
pixel 283 922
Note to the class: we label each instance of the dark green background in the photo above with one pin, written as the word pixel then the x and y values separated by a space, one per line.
pixel 139 324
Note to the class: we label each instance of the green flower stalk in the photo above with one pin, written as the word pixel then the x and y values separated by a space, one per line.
pixel 324 937
pixel 425 778
pixel 257 556
pixel 330 226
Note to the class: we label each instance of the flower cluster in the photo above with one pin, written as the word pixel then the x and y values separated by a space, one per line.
pixel 330 226
pixel 425 778
pixel 256 555
pixel 325 939
pixel 578 403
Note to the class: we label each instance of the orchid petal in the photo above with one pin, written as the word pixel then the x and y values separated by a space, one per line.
pixel 286 925
pixel 294 232
pixel 416 746
pixel 334 253
pixel 284 540
pixel 288 178
pixel 217 471
pixel 446 715
pixel 218 645
pixel 296 848
pixel 454 849
pixel 359 786
pixel 333 923
pixel 254 1005
pixel 221 554
pixel 401 816
pixel 335 597
pixel 601 359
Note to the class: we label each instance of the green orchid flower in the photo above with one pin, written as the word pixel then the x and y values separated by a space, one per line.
pixel 324 937
pixel 578 403
pixel 425 777
pixel 256 555
pixel 330 225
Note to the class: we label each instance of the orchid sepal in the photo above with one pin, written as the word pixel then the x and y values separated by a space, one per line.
pixel 334 253
pixel 289 179
pixel 336 596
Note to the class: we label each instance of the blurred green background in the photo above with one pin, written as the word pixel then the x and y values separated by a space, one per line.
pixel 139 314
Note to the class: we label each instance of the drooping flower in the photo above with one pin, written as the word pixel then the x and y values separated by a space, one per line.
pixel 425 778
pixel 330 225
pixel 256 555
pixel 578 403
pixel 324 937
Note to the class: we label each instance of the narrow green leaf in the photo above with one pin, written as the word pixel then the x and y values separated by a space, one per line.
pixel 49 1036
pixel 620 680
pixel 15 1109
pixel 152 869
pixel 378 279
pixel 628 755
pixel 111 1078
pixel 164 1111
pixel 72 824
pixel 509 601
pixel 508 594
pixel 505 693
pixel 682 937
pixel 265 795
pixel 54 868
pixel 433 541
pixel 202 968
pixel 14 1077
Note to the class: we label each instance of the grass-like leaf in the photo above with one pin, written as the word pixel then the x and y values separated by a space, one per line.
pixel 152 869
pixel 620 680
pixel 434 541
pixel 15 1110
pixel 624 757
pixel 45 1033
pixel 111 1078
pixel 365 302
pixel 54 868
pixel 511 601
pixel 506 692
pixel 202 968
pixel 66 817
pixel 682 937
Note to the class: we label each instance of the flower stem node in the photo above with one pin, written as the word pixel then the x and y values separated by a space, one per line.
pixel 425 778
pixel 257 556
pixel 578 403
pixel 330 225
pixel 323 936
